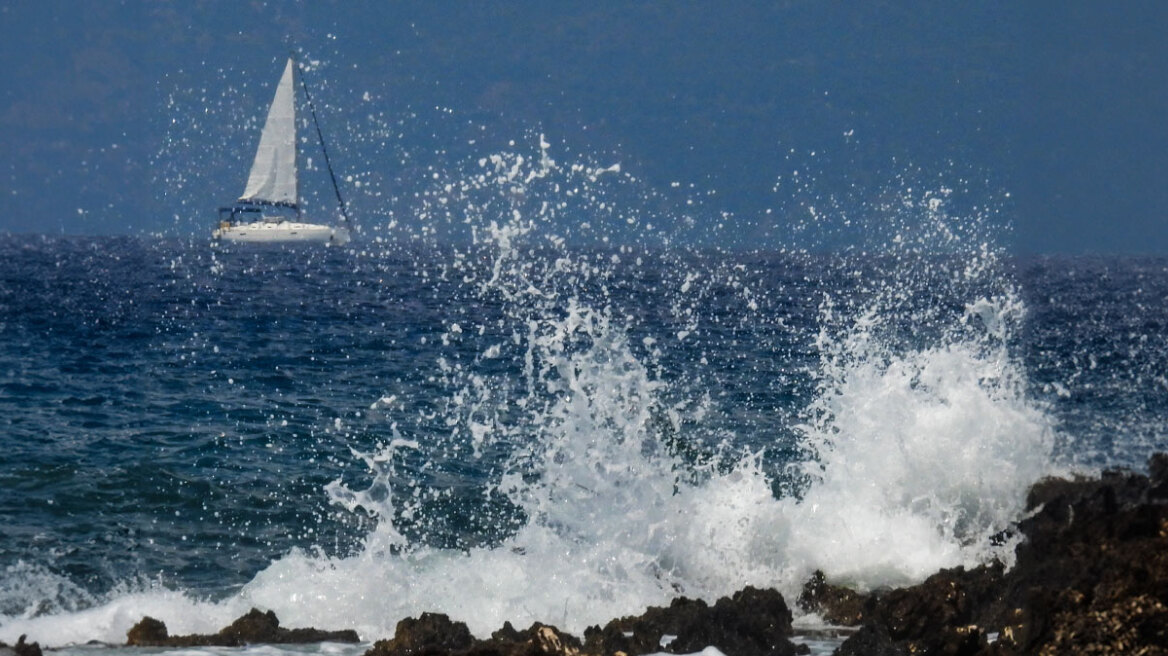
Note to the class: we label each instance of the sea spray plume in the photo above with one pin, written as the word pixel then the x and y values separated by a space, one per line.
pixel 921 427
pixel 603 475
pixel 586 432
pixel 377 499
pixel 570 409
pixel 524 212
pixel 613 519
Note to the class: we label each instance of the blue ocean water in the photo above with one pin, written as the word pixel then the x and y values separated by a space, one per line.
pixel 520 427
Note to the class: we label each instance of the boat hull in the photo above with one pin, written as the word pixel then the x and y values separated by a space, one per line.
pixel 283 231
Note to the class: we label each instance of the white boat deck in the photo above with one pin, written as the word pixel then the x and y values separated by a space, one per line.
pixel 282 231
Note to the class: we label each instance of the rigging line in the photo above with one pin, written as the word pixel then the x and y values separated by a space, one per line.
pixel 320 135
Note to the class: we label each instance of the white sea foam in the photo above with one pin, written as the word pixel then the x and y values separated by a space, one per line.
pixel 916 455
pixel 78 618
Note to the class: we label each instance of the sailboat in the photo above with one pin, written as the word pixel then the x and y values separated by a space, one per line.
pixel 269 209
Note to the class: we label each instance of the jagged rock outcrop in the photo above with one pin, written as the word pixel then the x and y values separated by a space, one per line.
pixel 434 634
pixel 148 632
pixel 835 604
pixel 21 648
pixel 871 640
pixel 1090 577
pixel 752 622
pixel 255 627
pixel 1092 574
pixel 749 623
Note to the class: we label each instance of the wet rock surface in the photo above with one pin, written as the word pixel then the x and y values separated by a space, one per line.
pixel 435 634
pixel 835 604
pixel 1090 577
pixel 432 633
pixel 255 627
pixel 21 648
pixel 871 640
pixel 750 623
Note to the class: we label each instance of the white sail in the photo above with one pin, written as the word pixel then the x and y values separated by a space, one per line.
pixel 273 173
pixel 273 181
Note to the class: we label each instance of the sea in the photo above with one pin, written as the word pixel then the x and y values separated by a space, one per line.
pixel 561 407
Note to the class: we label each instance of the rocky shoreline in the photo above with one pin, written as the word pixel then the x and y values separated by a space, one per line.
pixel 1090 577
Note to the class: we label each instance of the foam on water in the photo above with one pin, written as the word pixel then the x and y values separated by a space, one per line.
pixel 918 450
pixel 53 610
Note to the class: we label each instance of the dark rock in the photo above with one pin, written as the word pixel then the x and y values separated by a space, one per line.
pixel 936 616
pixel 1132 625
pixel 1090 577
pixel 642 634
pixel 960 641
pixel 1093 548
pixel 430 634
pixel 752 622
pixel 436 635
pixel 507 634
pixel 538 640
pixel 835 604
pixel 1158 477
pixel 147 633
pixel 946 600
pixel 255 627
pixel 22 648
pixel 871 640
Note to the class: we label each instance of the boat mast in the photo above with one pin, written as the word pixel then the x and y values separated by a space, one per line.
pixel 323 148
